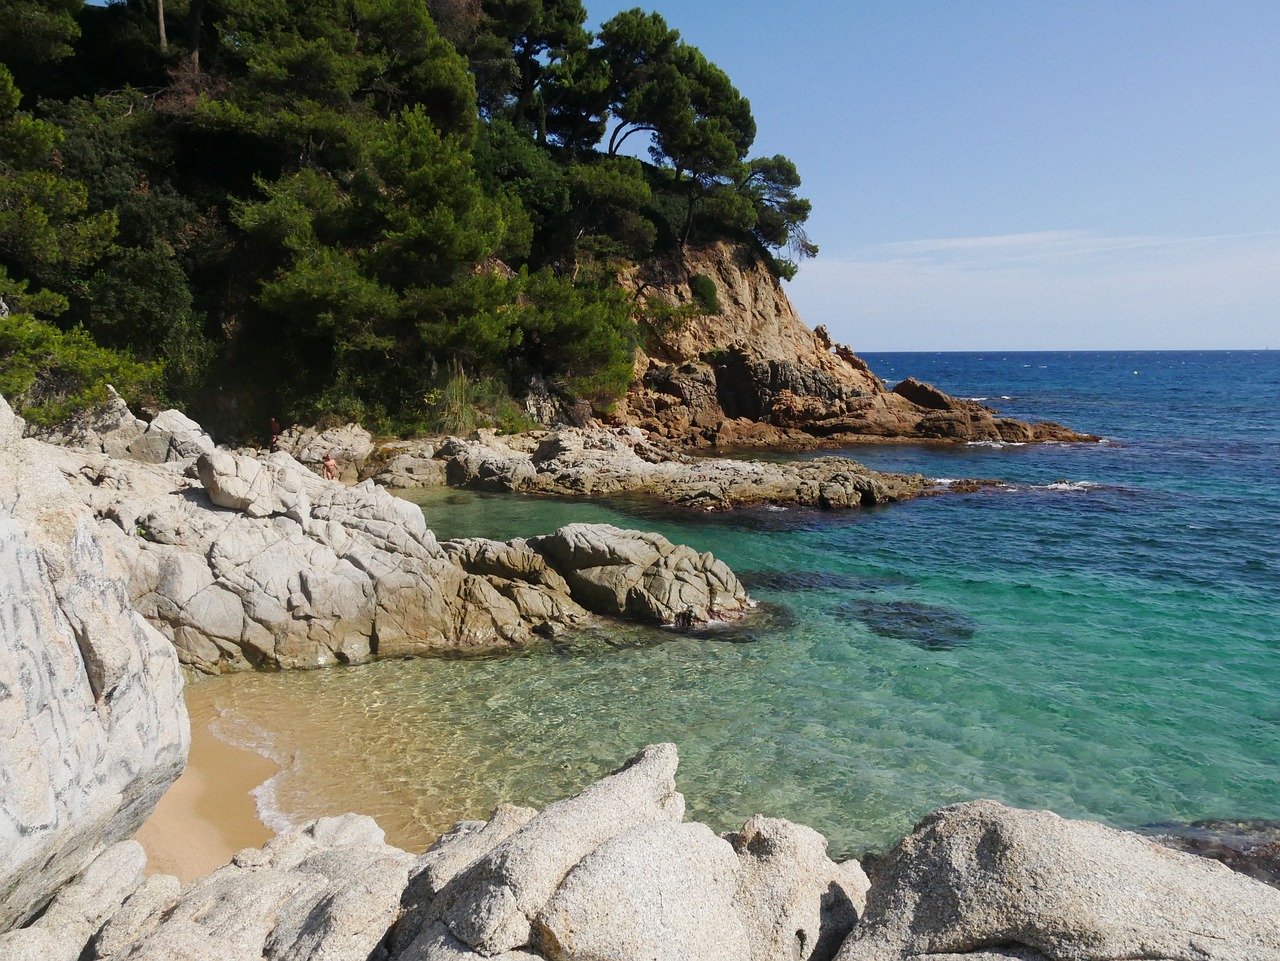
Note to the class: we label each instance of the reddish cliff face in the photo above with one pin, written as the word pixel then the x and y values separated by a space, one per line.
pixel 754 374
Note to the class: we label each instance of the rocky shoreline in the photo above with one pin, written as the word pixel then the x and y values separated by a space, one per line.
pixel 115 574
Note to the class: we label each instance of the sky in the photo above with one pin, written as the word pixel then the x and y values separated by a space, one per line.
pixel 1019 174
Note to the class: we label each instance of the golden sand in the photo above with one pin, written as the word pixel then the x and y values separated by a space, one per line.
pixel 209 814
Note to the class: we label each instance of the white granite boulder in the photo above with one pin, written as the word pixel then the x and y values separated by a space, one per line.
pixel 108 428
pixel 982 876
pixel 489 906
pixel 92 724
pixel 79 909
pixel 641 575
pixel 327 891
pixel 794 900
pixel 663 892
pixel 351 445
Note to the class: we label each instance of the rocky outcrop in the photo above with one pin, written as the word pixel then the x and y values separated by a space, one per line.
pixel 612 873
pixel 615 872
pixel 794 901
pixel 79 910
pixel 92 725
pixel 641 576
pixel 351 445
pixel 112 429
pixel 255 562
pixel 755 375
pixel 985 880
pixel 594 462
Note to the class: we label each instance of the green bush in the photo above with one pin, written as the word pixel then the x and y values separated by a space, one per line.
pixel 704 293
pixel 48 374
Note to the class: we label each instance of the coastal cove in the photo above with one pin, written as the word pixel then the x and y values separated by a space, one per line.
pixel 1098 636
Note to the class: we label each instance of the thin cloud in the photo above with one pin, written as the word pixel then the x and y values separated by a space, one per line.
pixel 1040 246
pixel 1051 289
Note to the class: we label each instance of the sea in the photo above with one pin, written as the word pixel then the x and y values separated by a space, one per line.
pixel 1097 634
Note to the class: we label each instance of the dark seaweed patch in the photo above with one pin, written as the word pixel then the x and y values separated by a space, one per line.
pixel 768 580
pixel 928 626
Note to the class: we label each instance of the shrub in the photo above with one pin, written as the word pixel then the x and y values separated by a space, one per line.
pixel 704 293
pixel 48 374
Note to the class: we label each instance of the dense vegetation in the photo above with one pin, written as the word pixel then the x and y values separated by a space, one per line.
pixel 353 208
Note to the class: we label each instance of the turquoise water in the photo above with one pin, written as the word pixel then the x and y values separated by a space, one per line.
pixel 1101 636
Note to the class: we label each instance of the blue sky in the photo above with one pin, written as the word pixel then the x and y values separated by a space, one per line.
pixel 1020 174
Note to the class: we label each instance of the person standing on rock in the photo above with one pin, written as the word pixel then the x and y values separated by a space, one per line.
pixel 330 467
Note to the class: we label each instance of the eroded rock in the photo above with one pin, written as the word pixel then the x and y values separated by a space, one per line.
pixel 327 891
pixel 489 906
pixel 92 724
pixel 982 875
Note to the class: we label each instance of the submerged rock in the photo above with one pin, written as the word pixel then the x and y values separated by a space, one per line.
pixel 928 626
pixel 820 581
pixel 1251 847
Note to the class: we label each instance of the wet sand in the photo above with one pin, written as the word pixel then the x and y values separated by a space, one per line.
pixel 209 814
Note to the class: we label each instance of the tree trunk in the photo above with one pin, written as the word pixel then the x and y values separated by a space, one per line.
pixel 194 22
pixel 164 40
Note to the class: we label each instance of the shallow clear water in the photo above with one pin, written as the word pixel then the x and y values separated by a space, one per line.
pixel 1101 636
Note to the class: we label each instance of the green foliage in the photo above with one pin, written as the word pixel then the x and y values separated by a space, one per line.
pixel 704 293
pixel 664 319
pixel 46 235
pixel 36 31
pixel 337 209
pixel 309 79
pixel 459 403
pixel 47 374
pixel 770 184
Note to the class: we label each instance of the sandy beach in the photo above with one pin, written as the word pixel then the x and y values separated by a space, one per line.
pixel 209 814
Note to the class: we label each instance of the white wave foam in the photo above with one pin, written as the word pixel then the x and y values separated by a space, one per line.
pixel 1064 485
pixel 1060 486
pixel 266 799
pixel 775 507
pixel 996 444
pixel 235 731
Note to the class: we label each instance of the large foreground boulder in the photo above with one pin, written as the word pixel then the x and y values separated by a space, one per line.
pixel 92 724
pixel 615 874
pixel 984 877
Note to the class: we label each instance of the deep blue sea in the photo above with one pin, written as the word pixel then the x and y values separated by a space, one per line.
pixel 1100 635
